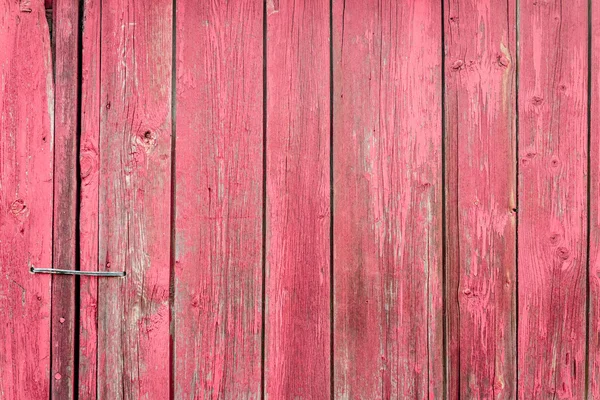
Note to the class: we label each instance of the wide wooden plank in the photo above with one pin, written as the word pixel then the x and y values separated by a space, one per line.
pixel 480 98
pixel 134 197
pixel 88 207
pixel 297 320
pixel 66 37
pixel 26 190
pixel 219 199
pixel 552 213
pixel 387 137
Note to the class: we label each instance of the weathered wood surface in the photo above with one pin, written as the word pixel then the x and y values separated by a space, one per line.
pixel 26 186
pixel 219 195
pixel 135 207
pixel 457 239
pixel 480 126
pixel 594 208
pixel 387 165
pixel 552 109
pixel 66 36
pixel 297 312
pixel 89 164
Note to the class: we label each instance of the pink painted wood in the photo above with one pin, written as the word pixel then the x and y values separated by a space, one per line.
pixel 388 199
pixel 297 331
pixel 594 209
pixel 480 41
pixel 135 208
pixel 26 176
pixel 66 42
pixel 219 188
pixel 552 199
pixel 193 321
pixel 88 211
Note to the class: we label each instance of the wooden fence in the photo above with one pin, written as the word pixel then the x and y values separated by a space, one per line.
pixel 311 199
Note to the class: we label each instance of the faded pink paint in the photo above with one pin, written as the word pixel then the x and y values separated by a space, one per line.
pixel 297 336
pixel 481 197
pixel 388 199
pixel 594 245
pixel 88 212
pixel 203 299
pixel 26 175
pixel 134 197
pixel 66 35
pixel 218 224
pixel 552 199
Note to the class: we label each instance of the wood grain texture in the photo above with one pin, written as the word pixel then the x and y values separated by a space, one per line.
pixel 88 213
pixel 219 184
pixel 480 45
pixel 388 199
pixel 26 179
pixel 66 42
pixel 552 198
pixel 297 332
pixel 594 210
pixel 134 211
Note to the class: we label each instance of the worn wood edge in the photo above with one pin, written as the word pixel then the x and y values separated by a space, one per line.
pixel 66 201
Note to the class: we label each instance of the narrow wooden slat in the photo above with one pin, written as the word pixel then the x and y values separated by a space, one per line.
pixel 552 198
pixel 219 171
pixel 480 63
pixel 594 210
pixel 66 36
pixel 134 210
pixel 26 179
pixel 88 212
pixel 297 331
pixel 388 199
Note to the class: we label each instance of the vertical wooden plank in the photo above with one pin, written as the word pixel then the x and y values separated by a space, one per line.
pixel 66 37
pixel 218 224
pixel 297 331
pixel 388 199
pixel 26 172
pixel 594 207
pixel 134 210
pixel 88 212
pixel 480 63
pixel 552 198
